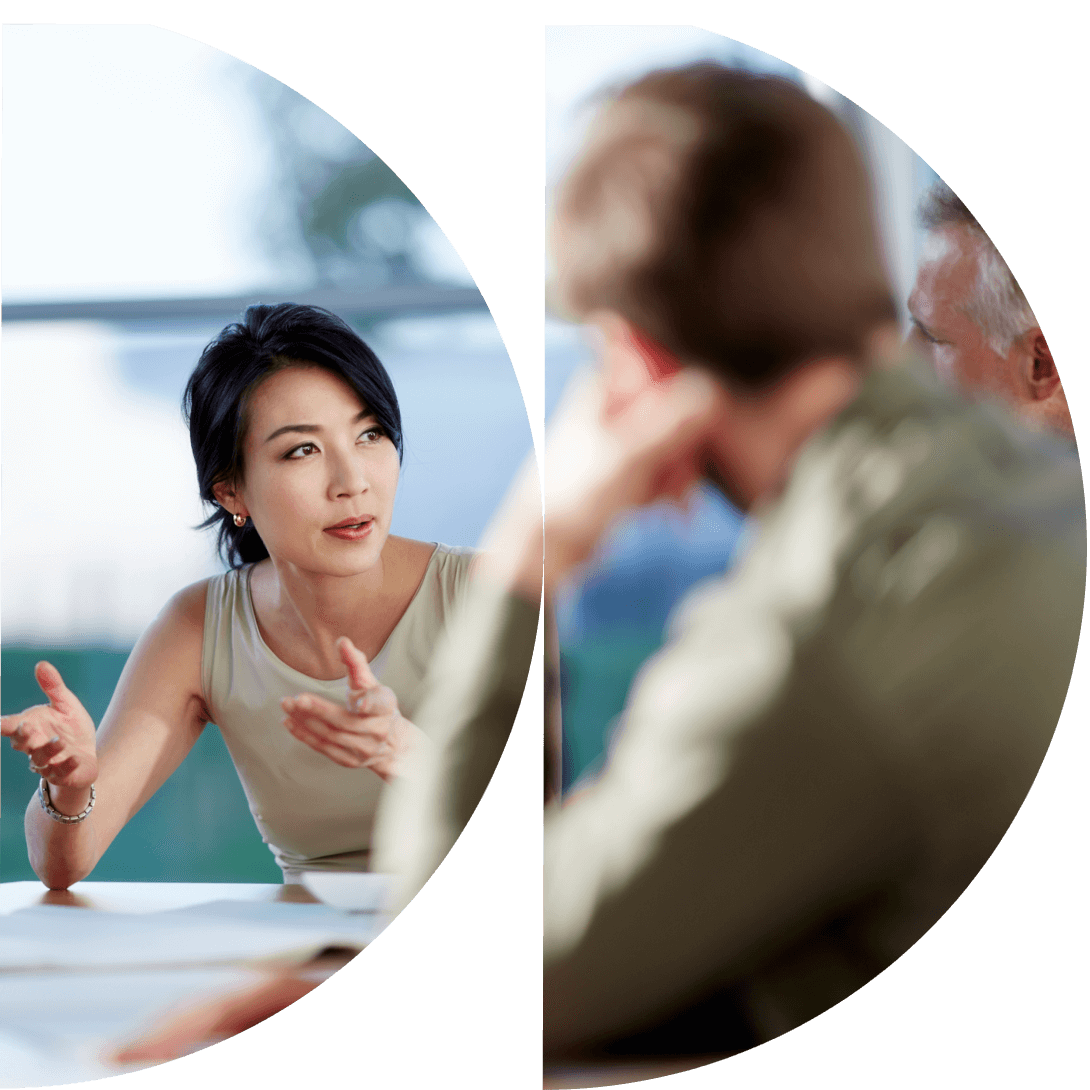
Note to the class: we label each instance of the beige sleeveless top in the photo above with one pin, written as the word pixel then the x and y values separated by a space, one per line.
pixel 313 813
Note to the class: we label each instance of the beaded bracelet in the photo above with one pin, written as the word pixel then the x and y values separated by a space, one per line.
pixel 55 814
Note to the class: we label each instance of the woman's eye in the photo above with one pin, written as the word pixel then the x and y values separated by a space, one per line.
pixel 372 435
pixel 301 451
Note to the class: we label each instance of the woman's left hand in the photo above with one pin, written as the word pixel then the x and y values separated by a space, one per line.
pixel 370 732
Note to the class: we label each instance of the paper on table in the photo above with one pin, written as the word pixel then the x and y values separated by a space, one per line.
pixel 29 1063
pixel 46 1051
pixel 51 936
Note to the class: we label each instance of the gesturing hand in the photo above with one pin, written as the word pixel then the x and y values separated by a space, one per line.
pixel 370 732
pixel 59 737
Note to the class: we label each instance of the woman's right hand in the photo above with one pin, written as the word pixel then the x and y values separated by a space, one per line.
pixel 59 737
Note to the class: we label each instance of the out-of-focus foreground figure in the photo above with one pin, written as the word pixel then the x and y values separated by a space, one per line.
pixel 837 737
pixel 972 319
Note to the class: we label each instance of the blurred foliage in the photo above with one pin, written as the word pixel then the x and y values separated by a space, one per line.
pixel 334 207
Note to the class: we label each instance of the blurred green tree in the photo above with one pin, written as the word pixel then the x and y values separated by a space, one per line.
pixel 334 210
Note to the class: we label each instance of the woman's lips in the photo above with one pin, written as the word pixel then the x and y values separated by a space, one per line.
pixel 352 529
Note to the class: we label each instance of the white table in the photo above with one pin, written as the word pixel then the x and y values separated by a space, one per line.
pixel 43 1042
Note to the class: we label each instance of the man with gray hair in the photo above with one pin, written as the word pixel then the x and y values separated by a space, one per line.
pixel 972 320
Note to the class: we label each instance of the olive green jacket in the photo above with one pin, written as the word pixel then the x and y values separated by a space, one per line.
pixel 834 738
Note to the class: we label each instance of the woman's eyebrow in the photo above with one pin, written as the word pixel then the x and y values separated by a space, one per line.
pixel 310 429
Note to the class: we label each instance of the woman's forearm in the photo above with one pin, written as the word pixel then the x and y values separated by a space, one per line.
pixel 61 854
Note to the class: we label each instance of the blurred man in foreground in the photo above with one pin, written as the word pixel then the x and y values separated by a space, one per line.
pixel 971 318
pixel 814 769
pixel 836 737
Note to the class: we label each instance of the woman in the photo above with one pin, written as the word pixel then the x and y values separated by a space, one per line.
pixel 296 433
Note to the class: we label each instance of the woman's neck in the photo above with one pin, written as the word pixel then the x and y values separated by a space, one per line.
pixel 301 614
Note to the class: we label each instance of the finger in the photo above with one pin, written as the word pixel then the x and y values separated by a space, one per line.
pixel 363 743
pixel 28 734
pixel 373 702
pixel 342 755
pixel 59 771
pixel 359 670
pixel 315 707
pixel 41 755
pixel 52 684
pixel 21 725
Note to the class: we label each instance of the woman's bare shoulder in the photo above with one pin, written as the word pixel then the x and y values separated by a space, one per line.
pixel 185 610
pixel 411 551
pixel 407 562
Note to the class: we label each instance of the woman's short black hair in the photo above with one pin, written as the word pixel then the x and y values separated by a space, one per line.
pixel 217 396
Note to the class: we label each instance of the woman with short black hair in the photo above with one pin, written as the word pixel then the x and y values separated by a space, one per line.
pixel 296 434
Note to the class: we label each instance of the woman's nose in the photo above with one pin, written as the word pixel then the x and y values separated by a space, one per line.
pixel 350 476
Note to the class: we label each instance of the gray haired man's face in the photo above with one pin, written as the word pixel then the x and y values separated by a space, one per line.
pixel 941 327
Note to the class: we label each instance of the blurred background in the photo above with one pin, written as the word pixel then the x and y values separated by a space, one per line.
pixel 609 622
pixel 152 189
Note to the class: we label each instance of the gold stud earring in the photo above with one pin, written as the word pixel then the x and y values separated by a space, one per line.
pixel 240 521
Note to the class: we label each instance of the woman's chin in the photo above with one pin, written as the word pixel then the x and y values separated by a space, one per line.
pixel 347 557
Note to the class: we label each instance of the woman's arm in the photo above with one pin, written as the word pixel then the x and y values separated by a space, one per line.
pixel 156 714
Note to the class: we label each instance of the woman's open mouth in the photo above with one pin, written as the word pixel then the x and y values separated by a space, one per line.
pixel 352 529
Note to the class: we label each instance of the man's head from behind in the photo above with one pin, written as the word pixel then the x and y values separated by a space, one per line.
pixel 971 318
pixel 723 220
pixel 728 217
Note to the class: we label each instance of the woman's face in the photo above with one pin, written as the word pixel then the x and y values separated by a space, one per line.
pixel 320 473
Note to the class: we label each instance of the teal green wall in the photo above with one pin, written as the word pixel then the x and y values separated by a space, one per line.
pixel 197 827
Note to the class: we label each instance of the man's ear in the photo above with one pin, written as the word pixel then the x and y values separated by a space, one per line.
pixel 631 361
pixel 660 362
pixel 1041 375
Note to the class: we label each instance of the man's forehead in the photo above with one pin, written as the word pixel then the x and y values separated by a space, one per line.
pixel 936 246
pixel 948 262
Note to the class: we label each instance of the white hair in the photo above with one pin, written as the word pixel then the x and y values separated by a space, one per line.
pixel 997 304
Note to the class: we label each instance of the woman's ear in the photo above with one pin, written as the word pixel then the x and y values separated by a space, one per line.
pixel 225 495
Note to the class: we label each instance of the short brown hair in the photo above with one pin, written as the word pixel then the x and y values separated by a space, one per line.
pixel 700 211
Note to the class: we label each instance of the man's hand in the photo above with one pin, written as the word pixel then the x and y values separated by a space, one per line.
pixel 370 732
pixel 214 1019
pixel 654 448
